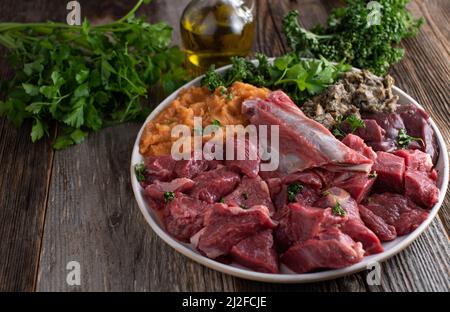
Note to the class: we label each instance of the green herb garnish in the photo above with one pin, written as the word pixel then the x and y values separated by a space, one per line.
pixel 84 78
pixel 373 175
pixel 245 195
pixel 299 78
pixel 168 196
pixel 338 210
pixel 293 190
pixel 404 139
pixel 325 193
pixel 139 171
pixel 215 122
pixel 348 35
pixel 222 200
pixel 351 120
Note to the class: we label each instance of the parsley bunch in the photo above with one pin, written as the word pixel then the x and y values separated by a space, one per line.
pixel 349 35
pixel 84 78
pixel 299 78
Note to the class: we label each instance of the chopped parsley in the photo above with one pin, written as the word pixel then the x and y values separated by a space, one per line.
pixel 139 170
pixel 245 195
pixel 168 196
pixel 351 120
pixel 222 200
pixel 338 210
pixel 404 139
pixel 229 96
pixel 326 193
pixel 293 190
pixel 216 122
pixel 373 175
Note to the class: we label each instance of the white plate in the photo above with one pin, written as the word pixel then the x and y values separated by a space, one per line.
pixel 390 248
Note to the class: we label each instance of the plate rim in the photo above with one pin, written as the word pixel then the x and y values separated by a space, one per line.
pixel 404 242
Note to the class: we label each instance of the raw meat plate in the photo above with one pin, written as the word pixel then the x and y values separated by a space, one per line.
pixel 353 239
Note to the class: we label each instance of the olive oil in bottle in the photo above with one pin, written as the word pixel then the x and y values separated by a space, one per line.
pixel 215 30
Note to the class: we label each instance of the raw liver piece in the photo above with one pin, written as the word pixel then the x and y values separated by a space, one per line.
pixel 210 186
pixel 226 226
pixel 397 210
pixel 390 170
pixel 190 168
pixel 251 192
pixel 304 143
pixel 372 132
pixel 159 168
pixel 183 216
pixel 330 250
pixel 257 252
pixel 421 188
pixel 384 231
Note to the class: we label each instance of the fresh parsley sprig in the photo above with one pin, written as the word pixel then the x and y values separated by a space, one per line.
pixel 403 139
pixel 84 78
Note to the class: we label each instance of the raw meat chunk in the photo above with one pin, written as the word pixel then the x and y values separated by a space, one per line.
pixel 390 170
pixel 212 185
pixel 257 252
pixel 226 226
pixel 421 188
pixel 249 193
pixel 384 231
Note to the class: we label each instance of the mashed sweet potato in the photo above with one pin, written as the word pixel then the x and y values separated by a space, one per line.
pixel 197 102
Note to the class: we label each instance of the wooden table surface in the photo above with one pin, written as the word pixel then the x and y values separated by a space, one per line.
pixel 77 204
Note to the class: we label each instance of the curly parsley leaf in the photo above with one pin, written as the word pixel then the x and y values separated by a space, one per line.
pixel 403 139
pixel 337 210
pixel 293 190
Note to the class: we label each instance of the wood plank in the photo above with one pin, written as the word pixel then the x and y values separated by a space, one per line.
pixel 25 169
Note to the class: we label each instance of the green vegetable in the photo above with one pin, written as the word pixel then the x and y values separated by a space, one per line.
pixel 293 190
pixel 373 175
pixel 215 122
pixel 349 36
pixel 299 78
pixel 351 121
pixel 168 196
pixel 84 78
pixel 222 200
pixel 404 139
pixel 338 210
pixel 139 170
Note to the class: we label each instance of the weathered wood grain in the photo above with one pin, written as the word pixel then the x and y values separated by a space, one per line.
pixel 24 175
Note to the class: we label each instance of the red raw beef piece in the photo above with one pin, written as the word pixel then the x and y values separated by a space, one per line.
pixel 183 216
pixel 358 185
pixel 326 176
pixel 384 231
pixel 248 164
pixel 226 226
pixel 304 143
pixel 306 196
pixel 357 144
pixel 421 188
pixel 300 223
pixel 249 193
pixel 159 168
pixel 372 132
pixel 212 185
pixel 307 177
pixel 416 160
pixel 433 175
pixel 354 227
pixel 190 168
pixel 332 249
pixel 257 253
pixel 274 185
pixel 398 211
pixel 390 170
pixel 156 190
